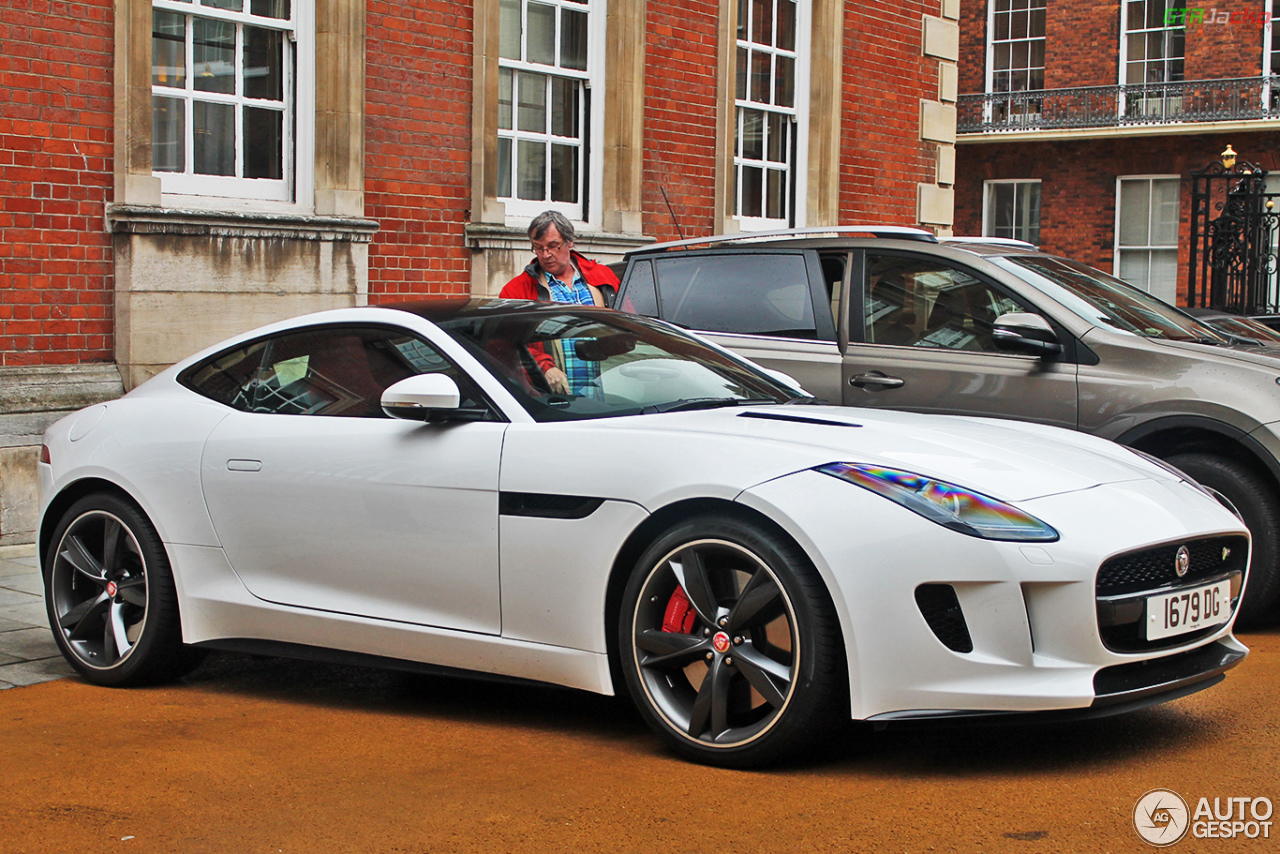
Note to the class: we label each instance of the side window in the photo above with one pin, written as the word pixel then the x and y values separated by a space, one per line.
pixel 923 302
pixel 640 296
pixel 335 371
pixel 755 293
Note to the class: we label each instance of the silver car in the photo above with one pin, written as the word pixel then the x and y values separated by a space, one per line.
pixel 899 319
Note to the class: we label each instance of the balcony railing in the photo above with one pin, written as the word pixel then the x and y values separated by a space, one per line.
pixel 1121 106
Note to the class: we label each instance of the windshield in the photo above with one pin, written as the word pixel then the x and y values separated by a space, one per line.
pixel 1106 300
pixel 573 363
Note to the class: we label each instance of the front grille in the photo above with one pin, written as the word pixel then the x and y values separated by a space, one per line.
pixel 941 610
pixel 1126 580
pixel 1157 567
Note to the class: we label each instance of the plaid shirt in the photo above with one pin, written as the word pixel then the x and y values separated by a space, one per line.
pixel 582 374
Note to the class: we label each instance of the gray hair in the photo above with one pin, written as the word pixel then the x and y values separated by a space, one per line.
pixel 544 220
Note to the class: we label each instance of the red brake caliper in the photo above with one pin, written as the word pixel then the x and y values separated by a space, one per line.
pixel 680 615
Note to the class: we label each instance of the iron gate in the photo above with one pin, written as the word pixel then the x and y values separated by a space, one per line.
pixel 1235 226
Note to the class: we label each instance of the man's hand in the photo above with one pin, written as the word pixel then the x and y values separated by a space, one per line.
pixel 557 380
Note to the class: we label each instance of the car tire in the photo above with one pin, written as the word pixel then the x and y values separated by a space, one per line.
pixel 746 671
pixel 1258 506
pixel 110 596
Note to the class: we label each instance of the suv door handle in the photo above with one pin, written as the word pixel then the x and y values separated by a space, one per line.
pixel 875 381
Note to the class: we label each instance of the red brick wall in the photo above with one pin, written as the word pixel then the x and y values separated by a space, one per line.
pixel 1081 44
pixel 886 74
pixel 973 46
pixel 418 146
pixel 1078 183
pixel 680 117
pixel 55 180
pixel 1217 49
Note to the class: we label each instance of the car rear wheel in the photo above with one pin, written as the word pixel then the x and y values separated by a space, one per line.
pixel 730 645
pixel 1258 506
pixel 110 596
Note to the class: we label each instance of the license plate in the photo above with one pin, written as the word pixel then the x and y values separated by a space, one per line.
pixel 1187 610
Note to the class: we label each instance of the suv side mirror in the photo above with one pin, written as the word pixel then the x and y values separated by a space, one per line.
pixel 1026 333
pixel 416 398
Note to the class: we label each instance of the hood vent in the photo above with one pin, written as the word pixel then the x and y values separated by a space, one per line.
pixel 799 419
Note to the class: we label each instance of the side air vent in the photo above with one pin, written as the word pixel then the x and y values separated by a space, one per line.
pixel 941 610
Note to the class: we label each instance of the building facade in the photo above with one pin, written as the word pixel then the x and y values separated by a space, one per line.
pixel 1081 123
pixel 178 170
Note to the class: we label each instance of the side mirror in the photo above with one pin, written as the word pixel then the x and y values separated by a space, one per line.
pixel 1026 333
pixel 416 398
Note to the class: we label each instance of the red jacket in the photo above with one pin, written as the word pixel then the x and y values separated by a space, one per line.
pixel 527 285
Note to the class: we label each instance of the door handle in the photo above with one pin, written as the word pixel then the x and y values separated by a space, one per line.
pixel 244 465
pixel 876 381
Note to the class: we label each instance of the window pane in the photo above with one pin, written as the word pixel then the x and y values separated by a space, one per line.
pixel 642 296
pixel 762 21
pixel 761 293
pixel 760 76
pixel 1135 213
pixel 1164 220
pixel 504 97
pixel 278 9
pixel 573 39
pixel 779 126
pixel 509 29
pixel 752 190
pixel 531 170
pixel 532 112
pixel 564 106
pixel 168 135
pixel 214 126
pixel 742 20
pixel 1133 267
pixel 744 58
pixel 784 85
pixel 263 63
pixel 775 196
pixel 504 168
pixel 787 24
pixel 215 55
pixel 541 44
pixel 1164 275
pixel 564 173
pixel 233 5
pixel 168 49
pixel 753 134
pixel 263 143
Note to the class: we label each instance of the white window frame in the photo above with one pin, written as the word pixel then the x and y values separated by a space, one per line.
pixel 798 171
pixel 988 210
pixel 1166 103
pixel 294 191
pixel 1147 247
pixel 1268 67
pixel 520 212
pixel 992 41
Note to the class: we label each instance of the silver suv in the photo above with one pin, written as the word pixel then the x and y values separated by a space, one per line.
pixel 899 319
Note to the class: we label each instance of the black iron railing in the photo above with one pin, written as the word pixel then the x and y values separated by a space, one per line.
pixel 1118 106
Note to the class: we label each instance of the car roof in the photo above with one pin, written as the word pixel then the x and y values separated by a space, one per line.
pixel 441 308
pixel 837 237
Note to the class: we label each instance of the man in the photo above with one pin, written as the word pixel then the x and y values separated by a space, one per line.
pixel 559 274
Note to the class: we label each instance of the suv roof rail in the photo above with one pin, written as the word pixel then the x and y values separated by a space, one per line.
pixel 901 232
pixel 993 241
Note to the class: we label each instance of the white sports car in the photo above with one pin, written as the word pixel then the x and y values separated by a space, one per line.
pixel 595 499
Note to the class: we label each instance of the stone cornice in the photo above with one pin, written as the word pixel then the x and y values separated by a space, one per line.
pixel 141 219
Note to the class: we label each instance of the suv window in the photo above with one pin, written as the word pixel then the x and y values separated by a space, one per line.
pixel 323 371
pixel 752 293
pixel 923 302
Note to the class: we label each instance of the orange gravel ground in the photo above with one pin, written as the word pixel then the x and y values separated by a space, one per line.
pixel 260 755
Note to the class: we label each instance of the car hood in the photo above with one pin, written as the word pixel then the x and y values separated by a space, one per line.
pixel 741 447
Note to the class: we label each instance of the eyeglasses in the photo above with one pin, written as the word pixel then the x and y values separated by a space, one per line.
pixel 548 248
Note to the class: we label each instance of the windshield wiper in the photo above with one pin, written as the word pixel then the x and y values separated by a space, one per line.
pixel 688 403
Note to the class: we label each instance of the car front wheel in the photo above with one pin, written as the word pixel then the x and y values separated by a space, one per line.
pixel 110 596
pixel 730 645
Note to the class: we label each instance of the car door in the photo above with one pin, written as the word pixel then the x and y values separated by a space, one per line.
pixel 920 339
pixel 770 305
pixel 321 502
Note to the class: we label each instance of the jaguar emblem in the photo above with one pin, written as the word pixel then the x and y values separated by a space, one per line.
pixel 1182 563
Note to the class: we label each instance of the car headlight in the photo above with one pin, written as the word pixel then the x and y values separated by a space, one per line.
pixel 950 506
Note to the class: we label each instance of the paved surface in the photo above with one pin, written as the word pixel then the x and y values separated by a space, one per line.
pixel 265 755
pixel 28 654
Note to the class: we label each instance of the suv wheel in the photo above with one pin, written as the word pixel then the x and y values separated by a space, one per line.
pixel 1258 505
